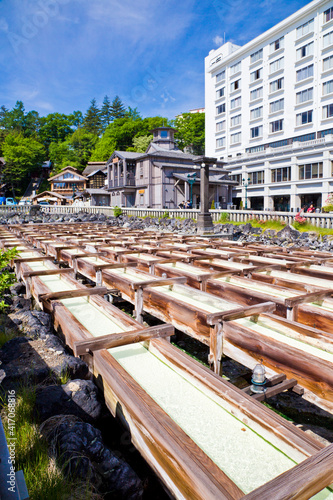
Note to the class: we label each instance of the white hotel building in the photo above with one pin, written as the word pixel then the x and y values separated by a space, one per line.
pixel 269 111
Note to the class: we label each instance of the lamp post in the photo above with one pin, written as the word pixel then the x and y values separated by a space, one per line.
pixel 191 178
pixel 73 187
pixel 205 223
pixel 246 184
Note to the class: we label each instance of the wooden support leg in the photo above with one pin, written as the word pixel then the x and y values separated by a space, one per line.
pixel 216 346
pixel 99 278
pixel 291 313
pixel 89 360
pixel 203 286
pixel 28 288
pixel 18 271
pixel 151 268
pixel 139 305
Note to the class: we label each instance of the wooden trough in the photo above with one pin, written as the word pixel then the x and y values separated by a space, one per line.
pixel 152 385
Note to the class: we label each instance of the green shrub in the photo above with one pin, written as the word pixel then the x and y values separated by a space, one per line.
pixel 241 205
pixel 224 217
pixel 117 211
pixel 166 215
pixel 213 205
pixel 6 277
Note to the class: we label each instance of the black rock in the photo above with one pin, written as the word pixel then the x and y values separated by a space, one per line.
pixel 80 448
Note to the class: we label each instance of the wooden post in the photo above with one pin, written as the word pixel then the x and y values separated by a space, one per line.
pixel 216 348
pixel 138 305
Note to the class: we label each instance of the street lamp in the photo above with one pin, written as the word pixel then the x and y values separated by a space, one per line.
pixel 73 187
pixel 191 178
pixel 246 184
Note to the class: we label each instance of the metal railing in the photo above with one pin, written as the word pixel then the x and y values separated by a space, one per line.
pixel 322 220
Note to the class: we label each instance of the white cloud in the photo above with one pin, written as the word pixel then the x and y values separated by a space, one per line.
pixel 218 40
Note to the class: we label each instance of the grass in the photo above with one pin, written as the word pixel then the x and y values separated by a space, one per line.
pixel 42 473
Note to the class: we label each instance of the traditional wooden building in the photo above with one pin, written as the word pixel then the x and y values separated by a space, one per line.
pixel 68 183
pixel 163 176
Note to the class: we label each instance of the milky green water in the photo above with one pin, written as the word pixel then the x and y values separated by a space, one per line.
pixel 259 287
pixel 247 458
pixel 299 278
pixel 267 260
pixel 194 271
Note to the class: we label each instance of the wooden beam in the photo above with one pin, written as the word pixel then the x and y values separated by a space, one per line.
pixel 302 481
pixel 19 260
pixel 87 254
pixel 69 294
pixel 158 282
pixel 99 267
pixel 48 272
pixel 241 312
pixel 124 338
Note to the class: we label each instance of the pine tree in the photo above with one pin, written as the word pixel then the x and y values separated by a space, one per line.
pixel 117 108
pixel 106 113
pixel 92 119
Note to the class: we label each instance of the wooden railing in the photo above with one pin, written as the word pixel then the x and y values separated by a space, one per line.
pixel 318 219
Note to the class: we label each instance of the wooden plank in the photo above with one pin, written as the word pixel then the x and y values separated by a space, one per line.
pixel 124 338
pixel 69 294
pixel 300 482
pixel 276 389
pixel 48 272
pixel 19 260
pixel 241 312
pixel 87 254
pixel 158 282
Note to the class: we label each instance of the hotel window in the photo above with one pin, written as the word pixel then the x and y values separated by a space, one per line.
pixel 256 93
pixel 220 93
pixel 304 73
pixel 328 63
pixel 328 111
pixel 310 171
pixel 235 85
pixel 220 126
pixel 220 142
pixel 304 95
pixel 281 174
pixel 276 45
pixel 235 68
pixel 276 126
pixel 235 120
pixel 328 39
pixel 256 177
pixel 234 138
pixel 276 106
pixel 276 65
pixel 305 28
pixel 256 131
pixel 328 15
pixel 306 50
pixel 276 85
pixel 220 109
pixel 220 76
pixel 256 56
pixel 328 87
pixel 303 118
pixel 256 113
pixel 256 75
pixel 235 103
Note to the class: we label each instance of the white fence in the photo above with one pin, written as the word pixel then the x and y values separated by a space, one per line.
pixel 320 220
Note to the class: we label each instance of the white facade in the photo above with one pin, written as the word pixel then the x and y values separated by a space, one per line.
pixel 269 111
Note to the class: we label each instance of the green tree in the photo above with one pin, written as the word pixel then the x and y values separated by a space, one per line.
pixel 141 143
pixel 133 113
pixel 23 155
pixel 92 119
pixel 117 108
pixel 75 150
pixel 191 132
pixel 55 127
pixel 6 277
pixel 106 113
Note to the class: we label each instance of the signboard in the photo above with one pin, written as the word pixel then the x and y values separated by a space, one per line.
pixel 141 191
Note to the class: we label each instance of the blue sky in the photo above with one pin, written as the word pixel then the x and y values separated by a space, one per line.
pixel 56 55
